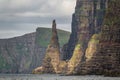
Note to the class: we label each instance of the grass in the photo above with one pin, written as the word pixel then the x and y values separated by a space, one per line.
pixel 44 36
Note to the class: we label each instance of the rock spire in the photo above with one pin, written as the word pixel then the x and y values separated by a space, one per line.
pixel 54 39
pixel 52 56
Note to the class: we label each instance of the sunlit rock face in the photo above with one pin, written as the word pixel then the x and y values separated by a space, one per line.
pixel 93 45
pixel 85 66
pixel 75 60
pixel 78 62
pixel 86 21
pixel 106 60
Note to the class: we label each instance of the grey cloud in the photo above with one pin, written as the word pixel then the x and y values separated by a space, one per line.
pixel 17 13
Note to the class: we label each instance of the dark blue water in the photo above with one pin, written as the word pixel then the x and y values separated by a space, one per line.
pixel 52 77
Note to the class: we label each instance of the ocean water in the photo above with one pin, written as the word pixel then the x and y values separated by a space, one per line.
pixel 52 77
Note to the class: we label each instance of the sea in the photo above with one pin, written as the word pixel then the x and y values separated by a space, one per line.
pixel 53 77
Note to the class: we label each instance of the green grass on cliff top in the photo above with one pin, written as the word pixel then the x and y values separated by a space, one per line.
pixel 44 36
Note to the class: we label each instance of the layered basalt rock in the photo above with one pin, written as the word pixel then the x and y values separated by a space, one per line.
pixel 110 40
pixel 106 60
pixel 93 46
pixel 85 66
pixel 75 60
pixel 86 21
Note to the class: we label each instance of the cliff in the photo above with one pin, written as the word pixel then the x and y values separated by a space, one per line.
pixel 24 53
pixel 106 59
pixel 16 54
pixel 93 48
pixel 86 21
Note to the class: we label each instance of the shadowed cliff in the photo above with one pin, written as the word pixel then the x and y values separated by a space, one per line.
pixel 86 21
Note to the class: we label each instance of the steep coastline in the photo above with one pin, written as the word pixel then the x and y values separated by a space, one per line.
pixel 93 47
pixel 24 53
pixel 105 60
pixel 86 21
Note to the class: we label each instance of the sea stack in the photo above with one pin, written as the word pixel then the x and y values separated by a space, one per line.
pixel 54 39
pixel 52 56
pixel 53 51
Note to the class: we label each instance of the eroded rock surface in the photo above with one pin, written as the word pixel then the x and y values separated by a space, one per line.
pixel 106 60
pixel 52 53
pixel 86 21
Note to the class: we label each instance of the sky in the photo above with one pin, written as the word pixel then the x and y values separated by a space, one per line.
pixel 18 17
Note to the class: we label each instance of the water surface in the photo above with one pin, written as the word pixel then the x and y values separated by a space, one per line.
pixel 52 77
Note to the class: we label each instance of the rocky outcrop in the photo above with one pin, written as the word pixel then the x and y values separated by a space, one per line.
pixel 47 67
pixel 53 50
pixel 78 60
pixel 24 53
pixel 75 60
pixel 93 45
pixel 86 21
pixel 52 55
pixel 85 66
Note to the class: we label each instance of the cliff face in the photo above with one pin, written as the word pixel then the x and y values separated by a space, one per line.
pixel 86 21
pixel 16 54
pixel 106 60
pixel 110 40
pixel 75 60
pixel 23 54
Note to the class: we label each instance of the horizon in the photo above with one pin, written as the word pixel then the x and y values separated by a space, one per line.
pixel 33 32
pixel 20 17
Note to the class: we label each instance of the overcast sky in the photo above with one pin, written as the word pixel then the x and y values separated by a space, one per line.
pixel 18 17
